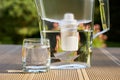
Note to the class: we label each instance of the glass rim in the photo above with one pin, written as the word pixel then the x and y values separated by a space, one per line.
pixel 35 39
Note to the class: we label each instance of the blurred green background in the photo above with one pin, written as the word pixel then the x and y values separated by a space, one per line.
pixel 18 20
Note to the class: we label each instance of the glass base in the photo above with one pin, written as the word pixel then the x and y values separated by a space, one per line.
pixel 36 69
pixel 67 65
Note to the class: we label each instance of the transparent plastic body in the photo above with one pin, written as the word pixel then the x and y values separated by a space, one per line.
pixel 69 26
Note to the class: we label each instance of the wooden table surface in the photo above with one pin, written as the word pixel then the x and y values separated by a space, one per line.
pixel 105 66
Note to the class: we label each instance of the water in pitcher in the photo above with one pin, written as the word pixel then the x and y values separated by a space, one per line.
pixel 69 59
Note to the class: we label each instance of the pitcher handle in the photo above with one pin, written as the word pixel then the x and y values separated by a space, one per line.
pixel 105 17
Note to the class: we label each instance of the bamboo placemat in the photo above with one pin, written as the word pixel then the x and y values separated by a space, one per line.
pixel 79 74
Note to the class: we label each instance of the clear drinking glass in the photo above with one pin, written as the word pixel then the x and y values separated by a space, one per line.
pixel 36 55
pixel 69 26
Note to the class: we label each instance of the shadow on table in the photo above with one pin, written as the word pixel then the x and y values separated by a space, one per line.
pixel 5 68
